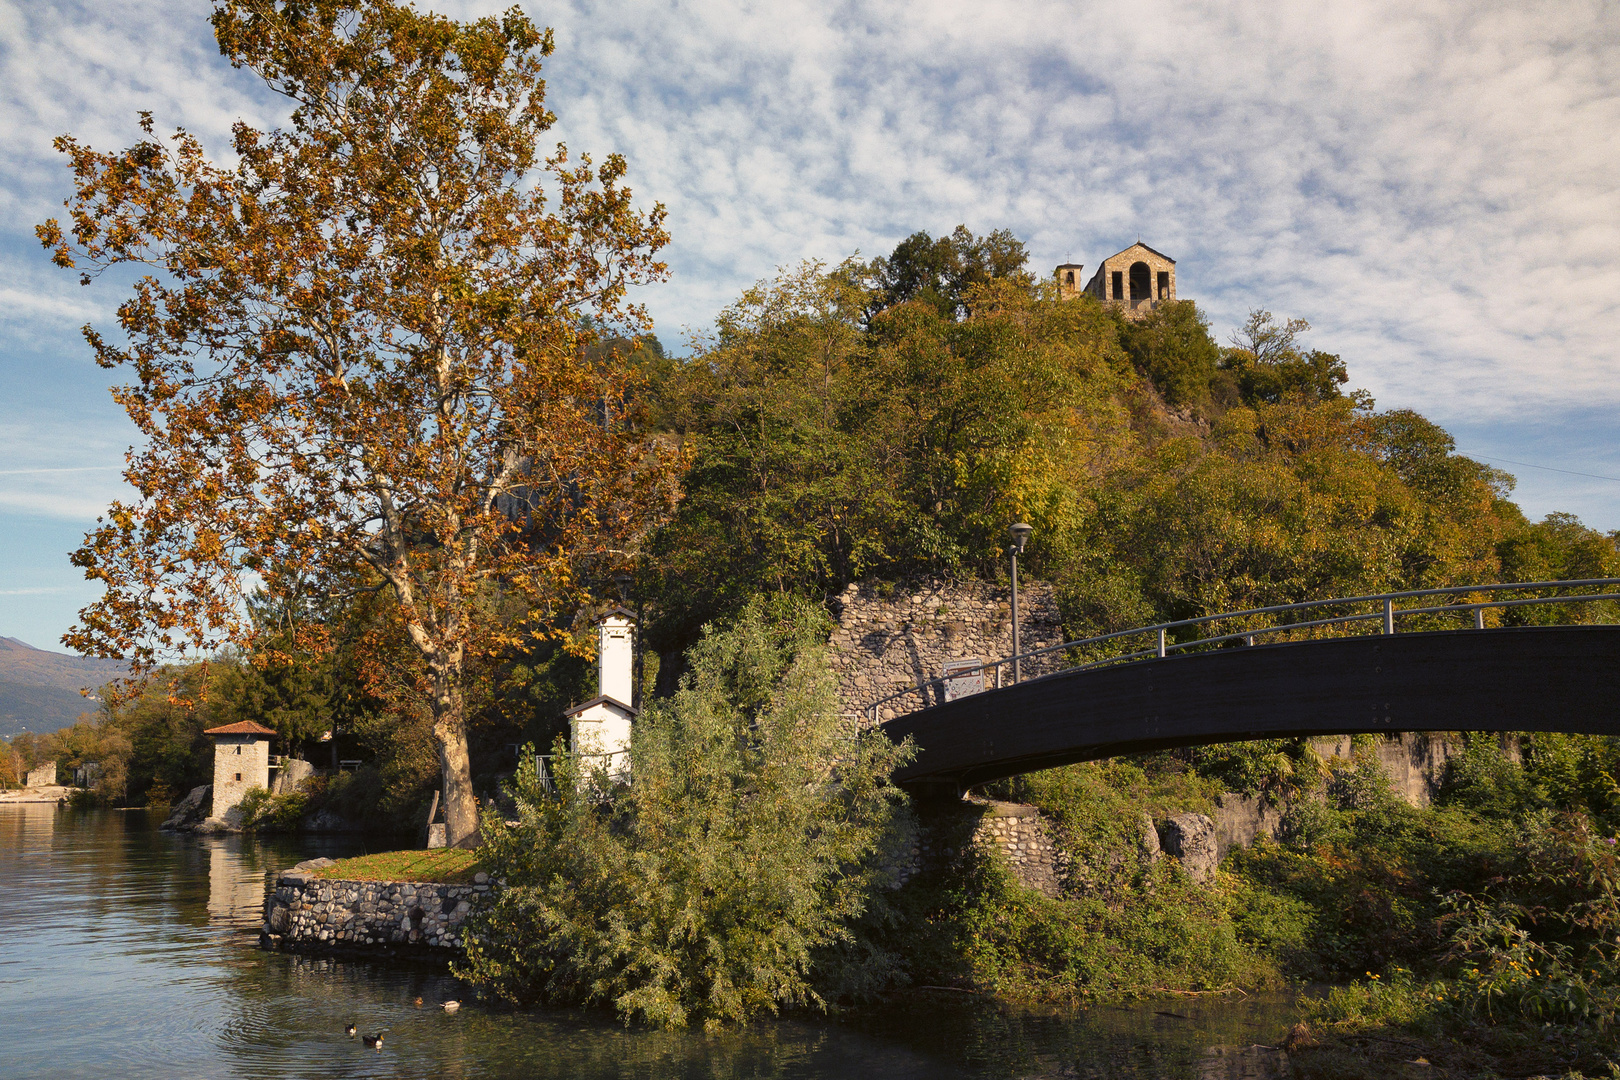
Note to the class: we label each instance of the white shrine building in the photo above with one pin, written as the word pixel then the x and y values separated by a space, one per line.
pixel 599 729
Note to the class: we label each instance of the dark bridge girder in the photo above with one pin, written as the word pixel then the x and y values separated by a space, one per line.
pixel 1557 678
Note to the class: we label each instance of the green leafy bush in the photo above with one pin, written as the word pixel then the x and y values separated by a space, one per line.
pixel 704 891
pixel 279 813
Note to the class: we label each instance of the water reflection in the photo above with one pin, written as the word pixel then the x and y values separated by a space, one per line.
pixel 125 950
pixel 236 882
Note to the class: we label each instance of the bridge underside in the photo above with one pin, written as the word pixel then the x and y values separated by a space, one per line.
pixel 1559 678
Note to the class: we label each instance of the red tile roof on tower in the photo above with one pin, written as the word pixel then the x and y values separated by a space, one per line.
pixel 243 727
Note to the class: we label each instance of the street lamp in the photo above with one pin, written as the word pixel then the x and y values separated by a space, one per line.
pixel 1020 535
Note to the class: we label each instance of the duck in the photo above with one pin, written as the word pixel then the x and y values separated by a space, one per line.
pixel 418 1001
pixel 349 1031
pixel 450 1006
pixel 373 1040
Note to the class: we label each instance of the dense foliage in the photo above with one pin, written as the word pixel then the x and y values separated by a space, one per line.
pixel 750 839
pixel 888 419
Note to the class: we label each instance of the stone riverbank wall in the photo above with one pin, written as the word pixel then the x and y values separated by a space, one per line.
pixel 304 913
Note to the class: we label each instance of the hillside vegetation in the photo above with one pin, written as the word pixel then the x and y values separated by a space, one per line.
pixel 887 419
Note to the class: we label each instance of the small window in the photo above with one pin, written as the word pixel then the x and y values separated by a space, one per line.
pixel 239 776
pixel 1119 285
pixel 238 749
pixel 1164 284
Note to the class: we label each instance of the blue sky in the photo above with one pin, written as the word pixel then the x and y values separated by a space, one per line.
pixel 1434 186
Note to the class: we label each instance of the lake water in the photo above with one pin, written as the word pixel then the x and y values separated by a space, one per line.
pixel 130 953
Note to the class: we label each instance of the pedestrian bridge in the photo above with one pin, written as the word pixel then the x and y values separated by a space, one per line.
pixel 1528 656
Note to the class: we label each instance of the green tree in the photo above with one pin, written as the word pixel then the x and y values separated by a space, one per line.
pixel 944 273
pixel 1173 347
pixel 702 892
pixel 1269 364
pixel 781 494
pixel 822 451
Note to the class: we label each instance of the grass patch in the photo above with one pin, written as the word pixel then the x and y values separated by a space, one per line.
pixel 443 866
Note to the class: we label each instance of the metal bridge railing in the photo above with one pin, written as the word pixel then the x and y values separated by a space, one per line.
pixel 1164 639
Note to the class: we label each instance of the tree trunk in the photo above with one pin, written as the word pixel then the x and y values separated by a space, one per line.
pixel 450 732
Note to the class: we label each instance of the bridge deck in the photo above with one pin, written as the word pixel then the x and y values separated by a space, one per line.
pixel 1559 678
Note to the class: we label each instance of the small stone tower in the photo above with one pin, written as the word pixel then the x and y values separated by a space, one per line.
pixel 600 727
pixel 241 761
pixel 1068 279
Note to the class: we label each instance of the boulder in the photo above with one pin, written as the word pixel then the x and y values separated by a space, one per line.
pixel 1191 838
pixel 293 772
pixel 191 810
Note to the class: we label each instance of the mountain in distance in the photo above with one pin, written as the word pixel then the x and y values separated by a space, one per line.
pixel 39 690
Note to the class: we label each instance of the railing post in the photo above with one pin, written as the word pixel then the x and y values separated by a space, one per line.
pixel 1161 643
pixel 1479 618
pixel 1389 616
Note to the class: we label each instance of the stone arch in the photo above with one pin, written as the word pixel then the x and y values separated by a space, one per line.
pixel 1068 277
pixel 1141 283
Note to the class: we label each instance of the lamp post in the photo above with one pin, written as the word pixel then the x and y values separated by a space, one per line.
pixel 1020 535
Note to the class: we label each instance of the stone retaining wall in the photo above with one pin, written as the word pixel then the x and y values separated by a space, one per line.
pixel 305 913
pixel 890 638
pixel 1017 830
pixel 945 831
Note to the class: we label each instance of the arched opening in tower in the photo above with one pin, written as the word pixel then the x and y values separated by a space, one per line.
pixel 1141 283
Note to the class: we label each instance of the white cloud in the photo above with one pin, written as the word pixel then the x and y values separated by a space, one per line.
pixel 1433 185
pixel 66 506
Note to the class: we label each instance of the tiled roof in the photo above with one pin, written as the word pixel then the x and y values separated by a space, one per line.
pixel 244 727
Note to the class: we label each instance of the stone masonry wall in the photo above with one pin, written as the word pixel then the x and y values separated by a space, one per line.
pixel 305 913
pixel 945 830
pixel 1018 831
pixel 885 643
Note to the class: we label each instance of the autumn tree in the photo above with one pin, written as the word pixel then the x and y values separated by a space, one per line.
pixel 360 353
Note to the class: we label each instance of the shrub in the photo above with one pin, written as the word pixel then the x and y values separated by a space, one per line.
pixel 253 801
pixel 704 891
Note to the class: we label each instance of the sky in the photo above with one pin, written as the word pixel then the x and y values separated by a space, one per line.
pixel 1434 186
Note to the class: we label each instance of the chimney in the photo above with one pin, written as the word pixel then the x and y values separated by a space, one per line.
pixel 615 655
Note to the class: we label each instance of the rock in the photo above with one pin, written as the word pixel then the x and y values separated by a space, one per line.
pixel 1241 819
pixel 293 772
pixel 1149 839
pixel 191 809
pixel 480 878
pixel 314 864
pixel 1191 838
pixel 1244 1063
pixel 327 821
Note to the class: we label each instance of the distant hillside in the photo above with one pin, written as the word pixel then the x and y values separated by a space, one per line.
pixel 39 690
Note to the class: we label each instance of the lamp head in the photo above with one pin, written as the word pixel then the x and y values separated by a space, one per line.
pixel 1020 535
